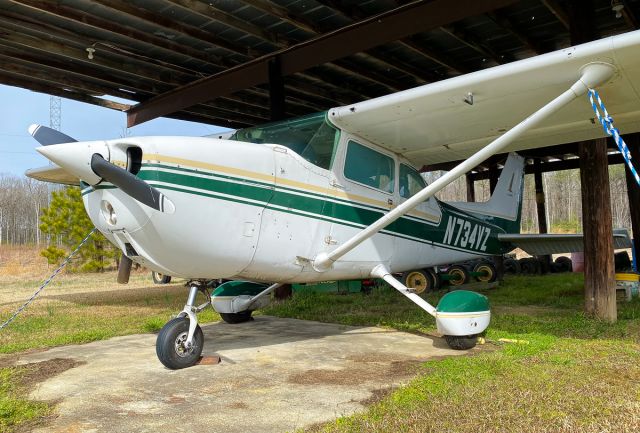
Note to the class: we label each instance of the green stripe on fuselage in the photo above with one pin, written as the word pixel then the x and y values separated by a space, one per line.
pixel 305 203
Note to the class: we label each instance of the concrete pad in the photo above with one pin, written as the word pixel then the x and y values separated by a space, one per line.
pixel 276 375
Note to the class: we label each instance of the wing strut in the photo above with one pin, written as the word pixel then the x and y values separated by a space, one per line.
pixel 592 75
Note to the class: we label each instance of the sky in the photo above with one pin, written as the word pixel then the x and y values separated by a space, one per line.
pixel 20 108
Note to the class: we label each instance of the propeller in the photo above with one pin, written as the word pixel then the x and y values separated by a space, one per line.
pixel 72 159
pixel 47 136
pixel 130 184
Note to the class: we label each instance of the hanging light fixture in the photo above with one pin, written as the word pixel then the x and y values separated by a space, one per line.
pixel 617 6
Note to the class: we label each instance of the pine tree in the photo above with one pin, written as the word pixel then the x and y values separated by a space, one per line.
pixel 67 222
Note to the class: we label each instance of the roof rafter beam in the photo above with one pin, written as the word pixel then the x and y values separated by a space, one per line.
pixel 353 13
pixel 538 152
pixel 471 41
pixel 558 10
pixel 87 19
pixel 282 13
pixel 208 10
pixel 130 72
pixel 506 23
pixel 171 25
pixel 279 40
pixel 73 81
pixel 345 66
pixel 149 17
pixel 37 86
pixel 550 166
pixel 227 109
pixel 630 17
pixel 395 24
pixel 439 58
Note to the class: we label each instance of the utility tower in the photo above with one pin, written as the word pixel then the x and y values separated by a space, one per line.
pixel 55 112
pixel 55 122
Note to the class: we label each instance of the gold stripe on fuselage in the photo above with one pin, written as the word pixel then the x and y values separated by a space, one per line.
pixel 329 192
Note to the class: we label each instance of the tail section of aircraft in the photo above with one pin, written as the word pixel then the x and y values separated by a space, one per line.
pixel 504 208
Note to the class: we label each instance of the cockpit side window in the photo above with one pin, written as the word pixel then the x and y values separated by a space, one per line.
pixel 369 167
pixel 311 137
pixel 410 181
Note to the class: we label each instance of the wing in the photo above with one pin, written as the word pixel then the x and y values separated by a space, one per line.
pixel 538 245
pixel 52 173
pixel 433 123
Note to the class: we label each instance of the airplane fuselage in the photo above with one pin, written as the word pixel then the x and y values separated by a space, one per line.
pixel 262 212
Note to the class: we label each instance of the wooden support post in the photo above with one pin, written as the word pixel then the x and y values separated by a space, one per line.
pixel 599 274
pixel 633 190
pixel 276 90
pixel 471 190
pixel 545 261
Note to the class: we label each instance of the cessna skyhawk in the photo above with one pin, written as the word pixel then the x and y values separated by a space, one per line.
pixel 336 195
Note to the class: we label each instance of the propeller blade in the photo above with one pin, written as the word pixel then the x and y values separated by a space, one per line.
pixel 131 185
pixel 124 269
pixel 47 136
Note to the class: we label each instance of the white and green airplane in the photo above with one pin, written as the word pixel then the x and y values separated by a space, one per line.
pixel 336 195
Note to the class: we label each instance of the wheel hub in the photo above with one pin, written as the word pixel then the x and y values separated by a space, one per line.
pixel 417 282
pixel 180 345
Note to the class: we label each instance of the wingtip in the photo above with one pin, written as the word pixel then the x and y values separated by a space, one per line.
pixel 33 129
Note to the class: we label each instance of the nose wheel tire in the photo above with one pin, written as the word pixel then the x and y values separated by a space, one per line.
pixel 171 344
pixel 461 342
pixel 233 318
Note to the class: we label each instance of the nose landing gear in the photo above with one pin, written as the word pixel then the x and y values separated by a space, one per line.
pixel 180 341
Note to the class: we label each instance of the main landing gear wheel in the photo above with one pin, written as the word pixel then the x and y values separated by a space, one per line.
pixel 461 342
pixel 487 270
pixel 171 348
pixel 159 278
pixel 459 275
pixel 419 281
pixel 233 318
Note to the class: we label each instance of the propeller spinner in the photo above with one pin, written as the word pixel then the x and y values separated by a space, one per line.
pixel 89 161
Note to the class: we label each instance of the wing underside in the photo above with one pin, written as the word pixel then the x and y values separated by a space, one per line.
pixel 543 244
pixel 433 123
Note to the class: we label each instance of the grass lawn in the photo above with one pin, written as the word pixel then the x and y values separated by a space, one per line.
pixel 565 373
pixel 561 372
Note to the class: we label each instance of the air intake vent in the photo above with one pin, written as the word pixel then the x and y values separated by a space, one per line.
pixel 134 159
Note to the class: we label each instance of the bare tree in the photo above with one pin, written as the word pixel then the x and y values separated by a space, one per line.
pixel 21 201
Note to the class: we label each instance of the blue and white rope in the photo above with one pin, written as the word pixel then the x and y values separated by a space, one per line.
pixel 46 283
pixel 607 124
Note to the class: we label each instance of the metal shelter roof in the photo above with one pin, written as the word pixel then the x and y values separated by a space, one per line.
pixel 213 61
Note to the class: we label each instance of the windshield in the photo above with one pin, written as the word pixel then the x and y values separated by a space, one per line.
pixel 312 137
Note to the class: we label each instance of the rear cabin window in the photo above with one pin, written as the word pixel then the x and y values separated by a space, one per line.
pixel 369 167
pixel 410 181
pixel 311 137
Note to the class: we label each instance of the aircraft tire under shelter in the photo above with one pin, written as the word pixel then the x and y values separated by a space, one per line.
pixel 487 271
pixel 459 275
pixel 464 342
pixel 419 280
pixel 170 344
pixel 233 318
